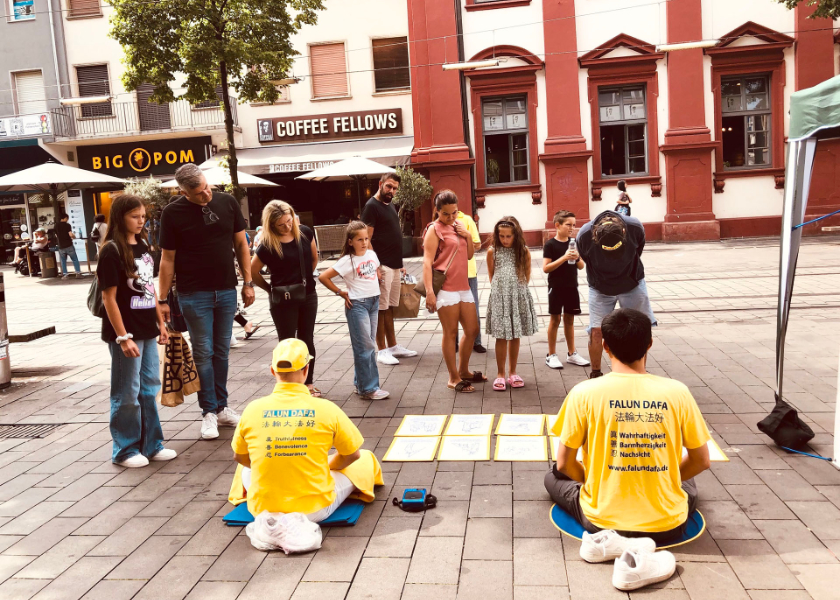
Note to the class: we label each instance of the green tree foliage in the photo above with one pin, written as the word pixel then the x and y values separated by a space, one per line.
pixel 414 191
pixel 825 8
pixel 156 198
pixel 243 44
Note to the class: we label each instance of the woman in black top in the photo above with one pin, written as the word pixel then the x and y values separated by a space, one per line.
pixel 126 278
pixel 282 241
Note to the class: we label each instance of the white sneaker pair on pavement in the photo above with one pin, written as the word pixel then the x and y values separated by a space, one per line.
pixel 389 356
pixel 212 421
pixel 138 460
pixel 553 361
pixel 637 563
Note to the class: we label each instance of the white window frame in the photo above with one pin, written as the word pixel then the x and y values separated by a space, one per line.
pixel 395 92
pixel 11 15
pixel 312 97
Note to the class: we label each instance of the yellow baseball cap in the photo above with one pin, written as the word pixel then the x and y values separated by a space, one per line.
pixel 289 356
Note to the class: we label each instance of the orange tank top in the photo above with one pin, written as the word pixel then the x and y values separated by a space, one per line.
pixel 448 242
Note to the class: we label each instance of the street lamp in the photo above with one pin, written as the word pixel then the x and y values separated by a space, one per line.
pixel 687 45
pixel 469 65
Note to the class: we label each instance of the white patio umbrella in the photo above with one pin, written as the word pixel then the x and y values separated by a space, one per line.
pixel 221 176
pixel 52 177
pixel 355 168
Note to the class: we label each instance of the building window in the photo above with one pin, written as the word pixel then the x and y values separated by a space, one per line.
pixel 506 140
pixel 745 121
pixel 84 8
pixel 21 10
pixel 211 103
pixel 623 128
pixel 328 65
pixel 390 64
pixel 30 95
pixel 93 81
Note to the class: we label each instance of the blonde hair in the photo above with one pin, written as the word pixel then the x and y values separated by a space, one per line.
pixel 268 237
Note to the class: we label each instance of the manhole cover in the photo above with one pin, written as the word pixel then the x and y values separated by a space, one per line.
pixel 27 431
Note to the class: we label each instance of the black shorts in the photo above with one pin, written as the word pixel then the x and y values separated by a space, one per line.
pixel 563 300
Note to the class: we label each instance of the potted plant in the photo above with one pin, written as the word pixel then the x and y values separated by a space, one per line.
pixel 414 191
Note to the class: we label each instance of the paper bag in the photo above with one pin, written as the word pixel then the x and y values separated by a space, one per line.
pixel 178 376
pixel 409 306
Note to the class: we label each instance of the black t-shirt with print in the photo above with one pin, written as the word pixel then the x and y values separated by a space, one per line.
pixel 387 236
pixel 564 276
pixel 62 232
pixel 203 251
pixel 286 270
pixel 135 297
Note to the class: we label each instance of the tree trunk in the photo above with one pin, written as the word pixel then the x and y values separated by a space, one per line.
pixel 238 192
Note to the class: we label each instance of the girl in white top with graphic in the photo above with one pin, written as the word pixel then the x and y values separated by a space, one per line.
pixel 359 267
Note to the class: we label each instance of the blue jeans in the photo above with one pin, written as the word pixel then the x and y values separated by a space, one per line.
pixel 135 427
pixel 209 317
pixel 600 305
pixel 362 319
pixel 71 252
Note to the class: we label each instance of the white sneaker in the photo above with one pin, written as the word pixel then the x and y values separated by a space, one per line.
pixel 634 570
pixel 576 359
pixel 228 417
pixel 165 454
pixel 608 545
pixel 553 361
pixel 386 358
pixel 401 352
pixel 377 395
pixel 209 427
pixel 134 461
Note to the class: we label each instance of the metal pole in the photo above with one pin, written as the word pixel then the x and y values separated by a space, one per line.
pixel 5 363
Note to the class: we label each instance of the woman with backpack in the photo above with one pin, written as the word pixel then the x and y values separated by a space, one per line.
pixel 100 229
pixel 133 321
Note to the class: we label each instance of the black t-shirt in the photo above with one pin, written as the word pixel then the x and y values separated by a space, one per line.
pixel 613 274
pixel 62 230
pixel 203 252
pixel 135 297
pixel 564 276
pixel 387 236
pixel 286 270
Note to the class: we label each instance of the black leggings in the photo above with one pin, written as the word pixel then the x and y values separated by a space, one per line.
pixel 299 322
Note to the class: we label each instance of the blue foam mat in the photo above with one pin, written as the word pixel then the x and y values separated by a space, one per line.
pixel 345 516
pixel 567 524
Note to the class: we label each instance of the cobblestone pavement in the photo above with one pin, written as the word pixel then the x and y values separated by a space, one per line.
pixel 72 525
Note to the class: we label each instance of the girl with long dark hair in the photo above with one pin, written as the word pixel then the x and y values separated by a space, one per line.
pixel 126 278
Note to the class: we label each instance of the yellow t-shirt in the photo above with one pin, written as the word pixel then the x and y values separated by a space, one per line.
pixel 288 436
pixel 472 228
pixel 632 429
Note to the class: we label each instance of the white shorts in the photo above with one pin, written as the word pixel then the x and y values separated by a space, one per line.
pixel 445 298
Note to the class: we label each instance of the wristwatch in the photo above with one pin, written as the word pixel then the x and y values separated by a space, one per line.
pixel 249 284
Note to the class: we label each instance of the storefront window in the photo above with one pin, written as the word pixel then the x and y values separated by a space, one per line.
pixel 745 121
pixel 11 235
pixel 505 122
pixel 623 127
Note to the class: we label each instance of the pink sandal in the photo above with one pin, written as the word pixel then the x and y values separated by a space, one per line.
pixel 499 384
pixel 515 381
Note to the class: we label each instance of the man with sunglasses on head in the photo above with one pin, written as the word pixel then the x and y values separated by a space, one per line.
pixel 198 232
pixel 611 246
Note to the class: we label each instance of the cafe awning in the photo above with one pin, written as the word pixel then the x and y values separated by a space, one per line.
pixel 293 158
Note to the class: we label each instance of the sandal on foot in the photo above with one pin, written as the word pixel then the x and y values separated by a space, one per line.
pixel 465 387
pixel 515 381
pixel 475 377
pixel 248 334
pixel 499 384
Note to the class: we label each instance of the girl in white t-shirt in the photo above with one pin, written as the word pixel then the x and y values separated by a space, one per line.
pixel 359 267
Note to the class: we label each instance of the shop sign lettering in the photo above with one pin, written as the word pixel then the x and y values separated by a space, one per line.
pixel 332 126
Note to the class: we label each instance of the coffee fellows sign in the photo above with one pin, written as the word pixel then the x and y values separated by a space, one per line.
pixel 140 159
pixel 366 123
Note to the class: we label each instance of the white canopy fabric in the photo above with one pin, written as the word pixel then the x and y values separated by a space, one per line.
pixel 52 176
pixel 290 158
pixel 352 168
pixel 221 176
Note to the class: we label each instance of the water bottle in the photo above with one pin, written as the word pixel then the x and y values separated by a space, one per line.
pixel 572 248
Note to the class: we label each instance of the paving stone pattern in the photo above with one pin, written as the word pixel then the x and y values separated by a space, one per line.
pixel 72 525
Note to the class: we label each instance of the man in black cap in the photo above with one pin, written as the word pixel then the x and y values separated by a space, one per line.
pixel 611 245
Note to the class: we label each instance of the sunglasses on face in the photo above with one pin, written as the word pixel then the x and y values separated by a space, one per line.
pixel 209 216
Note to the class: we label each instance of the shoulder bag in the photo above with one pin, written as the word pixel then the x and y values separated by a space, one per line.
pixel 94 298
pixel 438 277
pixel 294 294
